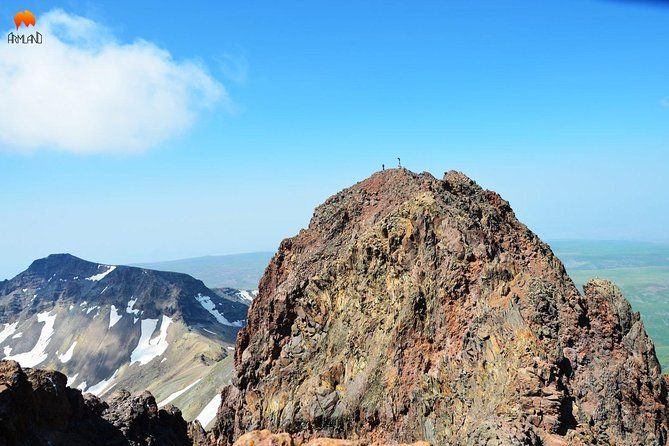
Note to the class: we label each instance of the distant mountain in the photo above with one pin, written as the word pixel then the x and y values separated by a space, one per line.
pixel 242 296
pixel 241 271
pixel 107 326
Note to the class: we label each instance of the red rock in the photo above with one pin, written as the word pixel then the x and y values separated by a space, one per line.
pixel 417 309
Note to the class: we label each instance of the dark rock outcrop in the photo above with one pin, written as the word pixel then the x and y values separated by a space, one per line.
pixel 417 309
pixel 38 409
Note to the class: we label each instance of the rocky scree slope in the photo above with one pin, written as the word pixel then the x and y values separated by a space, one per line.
pixel 419 309
pixel 110 327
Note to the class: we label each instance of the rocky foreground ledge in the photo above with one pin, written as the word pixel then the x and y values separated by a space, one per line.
pixel 37 408
pixel 267 438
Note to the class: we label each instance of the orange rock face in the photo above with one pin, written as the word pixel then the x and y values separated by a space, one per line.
pixel 264 438
pixel 267 438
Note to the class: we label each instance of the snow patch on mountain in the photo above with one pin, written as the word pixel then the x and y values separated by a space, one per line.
pixel 177 394
pixel 114 316
pixel 68 354
pixel 208 305
pixel 147 349
pixel 6 332
pixel 246 295
pixel 71 379
pixel 103 386
pixel 37 355
pixel 88 310
pixel 98 277
pixel 129 309
pixel 209 411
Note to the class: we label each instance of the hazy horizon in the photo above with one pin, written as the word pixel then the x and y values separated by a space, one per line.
pixel 145 263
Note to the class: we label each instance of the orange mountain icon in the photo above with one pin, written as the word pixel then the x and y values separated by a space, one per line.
pixel 26 18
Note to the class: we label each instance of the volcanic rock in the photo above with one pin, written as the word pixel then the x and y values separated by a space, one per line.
pixel 418 309
pixel 38 409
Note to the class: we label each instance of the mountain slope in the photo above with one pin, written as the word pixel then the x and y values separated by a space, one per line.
pixel 110 327
pixel 414 309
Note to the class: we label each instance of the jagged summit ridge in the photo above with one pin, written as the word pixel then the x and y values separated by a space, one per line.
pixel 66 266
pixel 63 265
pixel 414 308
pixel 69 278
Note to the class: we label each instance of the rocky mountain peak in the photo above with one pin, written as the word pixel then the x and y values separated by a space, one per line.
pixel 56 265
pixel 68 279
pixel 418 309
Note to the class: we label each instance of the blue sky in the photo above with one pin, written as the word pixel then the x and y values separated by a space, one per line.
pixel 560 106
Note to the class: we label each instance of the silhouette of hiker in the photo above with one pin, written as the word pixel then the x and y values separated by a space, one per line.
pixel 383 167
pixel 399 162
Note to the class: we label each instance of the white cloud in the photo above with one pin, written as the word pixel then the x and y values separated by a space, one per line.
pixel 82 91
